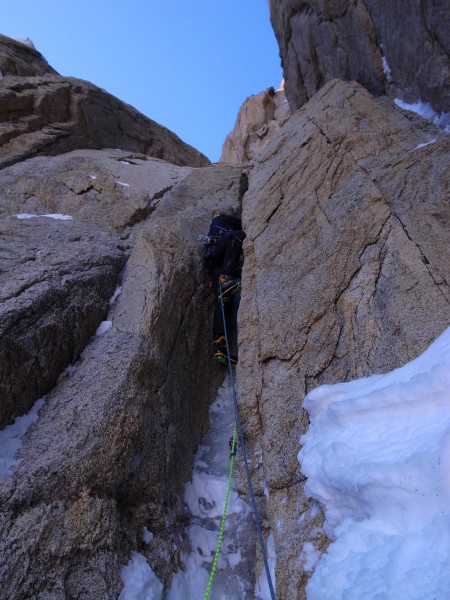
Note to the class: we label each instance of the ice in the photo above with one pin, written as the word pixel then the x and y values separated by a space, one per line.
pixel 377 458
pixel 139 580
pixel 11 438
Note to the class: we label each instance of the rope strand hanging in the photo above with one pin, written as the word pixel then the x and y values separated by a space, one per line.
pixel 244 452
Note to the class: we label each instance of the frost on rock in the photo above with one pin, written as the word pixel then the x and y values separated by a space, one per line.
pixel 377 458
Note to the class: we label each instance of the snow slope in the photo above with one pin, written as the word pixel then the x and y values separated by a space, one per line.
pixel 377 458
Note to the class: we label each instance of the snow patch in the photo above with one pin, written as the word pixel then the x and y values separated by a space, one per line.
pixel 139 580
pixel 377 458
pixel 386 68
pixel 56 216
pixel 205 496
pixel 103 327
pixel 26 41
pixel 424 145
pixel 123 184
pixel 147 536
pixel 71 369
pixel 11 437
pixel 309 556
pixel 116 294
pixel 426 111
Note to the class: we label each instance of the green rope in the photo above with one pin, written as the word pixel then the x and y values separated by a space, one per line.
pixel 222 523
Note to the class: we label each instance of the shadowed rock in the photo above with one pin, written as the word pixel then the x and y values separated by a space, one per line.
pixel 114 442
pixel 396 47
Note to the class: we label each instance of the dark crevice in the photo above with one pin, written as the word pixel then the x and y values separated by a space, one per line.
pixel 425 260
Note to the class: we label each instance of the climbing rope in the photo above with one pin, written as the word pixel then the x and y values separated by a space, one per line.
pixel 247 469
pixel 222 523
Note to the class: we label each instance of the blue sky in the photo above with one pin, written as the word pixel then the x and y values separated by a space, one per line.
pixel 188 65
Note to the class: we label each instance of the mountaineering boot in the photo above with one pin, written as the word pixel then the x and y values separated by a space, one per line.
pixel 230 286
pixel 222 359
pixel 220 350
pixel 220 343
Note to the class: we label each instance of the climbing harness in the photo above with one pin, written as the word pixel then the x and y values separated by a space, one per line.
pixel 238 426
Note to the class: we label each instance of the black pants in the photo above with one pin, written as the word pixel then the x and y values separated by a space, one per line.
pixel 230 309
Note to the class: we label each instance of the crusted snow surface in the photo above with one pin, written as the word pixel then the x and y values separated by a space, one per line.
pixel 377 458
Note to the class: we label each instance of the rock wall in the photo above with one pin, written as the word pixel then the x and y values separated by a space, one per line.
pixel 115 440
pixel 124 410
pixel 259 118
pixel 20 59
pixel 42 113
pixel 346 274
pixel 351 39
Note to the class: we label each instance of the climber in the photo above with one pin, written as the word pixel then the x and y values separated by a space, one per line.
pixel 222 251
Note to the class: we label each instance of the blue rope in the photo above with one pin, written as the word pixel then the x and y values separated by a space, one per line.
pixel 244 452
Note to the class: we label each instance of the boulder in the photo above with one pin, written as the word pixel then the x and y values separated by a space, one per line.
pixel 346 274
pixel 258 119
pixel 115 438
pixel 397 47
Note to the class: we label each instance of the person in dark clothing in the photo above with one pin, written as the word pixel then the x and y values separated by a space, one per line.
pixel 223 256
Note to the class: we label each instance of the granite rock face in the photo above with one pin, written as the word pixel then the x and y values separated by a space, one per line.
pixel 115 438
pixel 56 278
pixel 346 275
pixel 112 188
pixel 20 59
pixel 259 118
pixel 42 113
pixel 401 48
pixel 98 237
